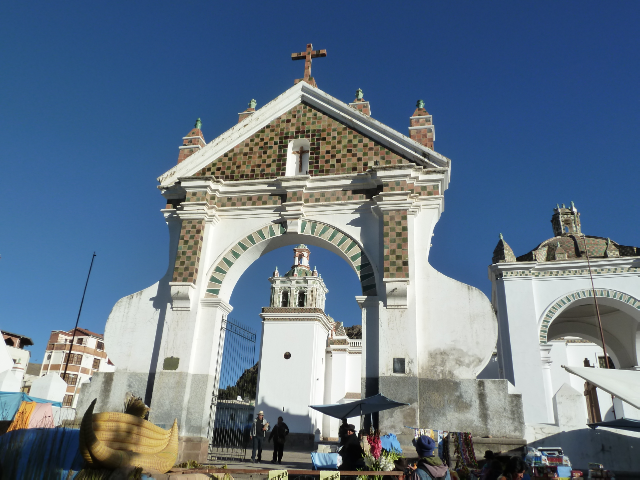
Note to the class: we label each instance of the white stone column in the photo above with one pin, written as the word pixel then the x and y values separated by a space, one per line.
pixel 545 357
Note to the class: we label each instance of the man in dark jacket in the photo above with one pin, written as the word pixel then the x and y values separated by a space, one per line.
pixel 259 431
pixel 352 452
pixel 279 433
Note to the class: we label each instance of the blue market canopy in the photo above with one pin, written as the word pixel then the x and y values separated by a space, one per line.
pixel 621 423
pixel 374 404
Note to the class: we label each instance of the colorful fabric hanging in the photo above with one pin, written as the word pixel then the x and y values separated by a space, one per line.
pixel 23 416
pixel 42 416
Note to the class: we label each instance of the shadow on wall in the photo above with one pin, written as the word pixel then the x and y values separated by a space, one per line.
pixel 615 450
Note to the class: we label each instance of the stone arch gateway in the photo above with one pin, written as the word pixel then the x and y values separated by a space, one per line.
pixel 372 195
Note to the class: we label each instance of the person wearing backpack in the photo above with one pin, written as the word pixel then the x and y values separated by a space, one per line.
pixel 429 465
pixel 279 433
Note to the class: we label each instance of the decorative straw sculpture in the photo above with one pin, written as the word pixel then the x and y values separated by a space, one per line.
pixel 114 440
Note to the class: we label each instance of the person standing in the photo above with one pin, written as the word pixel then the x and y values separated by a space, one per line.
pixel 351 452
pixel 429 466
pixel 279 433
pixel 259 431
pixel 342 431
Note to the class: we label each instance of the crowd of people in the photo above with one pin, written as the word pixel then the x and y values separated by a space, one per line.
pixel 429 465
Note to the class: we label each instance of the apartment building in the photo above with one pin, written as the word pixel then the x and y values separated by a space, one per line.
pixel 85 354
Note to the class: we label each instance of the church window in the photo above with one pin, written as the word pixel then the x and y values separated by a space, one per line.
pixel 297 157
pixel 301 299
pixel 287 355
pixel 398 365
pixel 285 299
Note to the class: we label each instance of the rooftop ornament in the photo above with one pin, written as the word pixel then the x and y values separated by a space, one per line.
pixel 359 94
pixel 198 124
pixel 252 103
pixel 420 104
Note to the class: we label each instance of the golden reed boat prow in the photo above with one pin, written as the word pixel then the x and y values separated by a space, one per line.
pixel 114 440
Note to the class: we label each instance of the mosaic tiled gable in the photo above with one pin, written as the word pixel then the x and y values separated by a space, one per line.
pixel 189 247
pixel 335 149
pixel 396 244
pixel 344 242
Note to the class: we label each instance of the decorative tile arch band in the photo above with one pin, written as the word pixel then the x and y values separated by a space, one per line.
pixel 563 302
pixel 344 242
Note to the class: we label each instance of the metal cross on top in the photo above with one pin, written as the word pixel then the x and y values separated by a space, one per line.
pixel 307 56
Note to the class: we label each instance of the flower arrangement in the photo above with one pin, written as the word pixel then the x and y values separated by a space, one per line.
pixel 377 459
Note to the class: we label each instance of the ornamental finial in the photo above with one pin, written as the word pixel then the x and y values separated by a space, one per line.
pixel 359 94
pixel 420 104
pixel 501 237
pixel 198 124
pixel 252 103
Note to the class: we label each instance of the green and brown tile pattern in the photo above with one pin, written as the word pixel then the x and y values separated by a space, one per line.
pixel 348 245
pixel 248 201
pixel 424 190
pixel 586 293
pixel 334 196
pixel 296 196
pixel 335 149
pixel 396 244
pixel 189 247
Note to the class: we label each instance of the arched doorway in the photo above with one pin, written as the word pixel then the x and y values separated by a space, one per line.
pixel 570 328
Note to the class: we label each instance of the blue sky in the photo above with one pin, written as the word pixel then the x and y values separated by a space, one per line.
pixel 536 103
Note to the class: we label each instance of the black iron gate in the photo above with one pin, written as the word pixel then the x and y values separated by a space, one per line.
pixel 234 392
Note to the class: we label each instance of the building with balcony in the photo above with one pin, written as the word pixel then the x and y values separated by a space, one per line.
pixel 16 348
pixel 85 354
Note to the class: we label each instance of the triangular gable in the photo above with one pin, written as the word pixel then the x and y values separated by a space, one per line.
pixel 334 149
pixel 343 141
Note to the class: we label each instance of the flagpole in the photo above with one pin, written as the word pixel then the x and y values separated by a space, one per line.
pixel 66 365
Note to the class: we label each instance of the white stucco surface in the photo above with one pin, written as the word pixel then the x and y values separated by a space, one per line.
pixel 524 294
pixel 9 382
pixel 50 387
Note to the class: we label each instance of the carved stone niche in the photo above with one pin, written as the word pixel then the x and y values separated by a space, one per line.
pixel 396 289
pixel 181 294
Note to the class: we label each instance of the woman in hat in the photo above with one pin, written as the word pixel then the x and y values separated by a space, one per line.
pixel 351 452
pixel 429 465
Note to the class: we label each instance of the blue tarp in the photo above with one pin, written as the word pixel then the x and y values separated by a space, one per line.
pixel 40 453
pixel 10 402
pixel 324 461
pixel 390 442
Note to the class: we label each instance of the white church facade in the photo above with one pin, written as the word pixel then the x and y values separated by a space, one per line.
pixel 306 357
pixel 547 319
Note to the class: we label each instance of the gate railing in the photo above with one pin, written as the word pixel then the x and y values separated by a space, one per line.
pixel 230 419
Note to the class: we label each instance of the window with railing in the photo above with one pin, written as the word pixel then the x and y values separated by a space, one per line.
pixel 67 401
pixel 100 346
pixel 71 379
pixel 96 364
pixel 80 341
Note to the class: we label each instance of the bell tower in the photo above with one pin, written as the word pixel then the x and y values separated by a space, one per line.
pixel 566 221
pixel 300 287
pixel 295 336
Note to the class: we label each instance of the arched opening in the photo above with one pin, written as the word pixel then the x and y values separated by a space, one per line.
pixel 298 337
pixel 575 337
